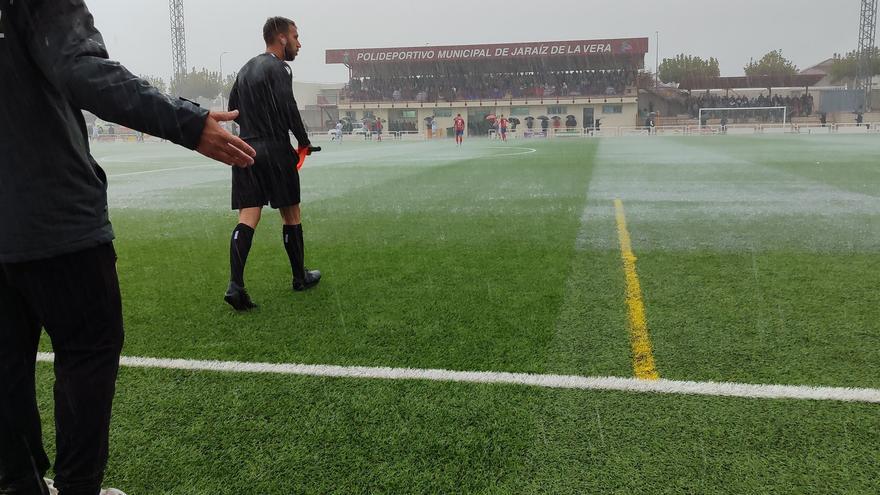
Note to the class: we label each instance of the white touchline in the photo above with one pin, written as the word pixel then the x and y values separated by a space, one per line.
pixel 144 172
pixel 798 392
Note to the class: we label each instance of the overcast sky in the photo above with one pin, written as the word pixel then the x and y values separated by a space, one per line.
pixel 808 31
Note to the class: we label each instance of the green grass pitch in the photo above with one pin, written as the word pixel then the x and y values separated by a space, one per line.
pixel 758 257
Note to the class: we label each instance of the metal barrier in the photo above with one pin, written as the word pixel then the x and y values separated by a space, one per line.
pixel 813 129
pixel 322 136
pixel 774 128
pixel 568 132
pixel 672 130
pixel 535 134
pixel 493 134
pixel 634 131
pixel 119 138
pixel 408 135
pixel 590 132
pixel 865 128
pixel 736 129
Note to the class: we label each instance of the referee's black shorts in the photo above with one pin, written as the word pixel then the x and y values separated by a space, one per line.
pixel 272 180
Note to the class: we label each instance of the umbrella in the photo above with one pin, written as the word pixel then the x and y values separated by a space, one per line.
pixel 491 116
pixel 544 117
pixel 557 117
pixel 530 118
pixel 513 120
pixel 570 117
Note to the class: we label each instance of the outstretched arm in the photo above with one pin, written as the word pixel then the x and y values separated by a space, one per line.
pixel 69 51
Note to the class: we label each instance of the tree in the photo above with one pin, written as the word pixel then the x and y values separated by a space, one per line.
pixel 676 70
pixel 202 84
pixel 847 67
pixel 157 82
pixel 771 64
pixel 229 82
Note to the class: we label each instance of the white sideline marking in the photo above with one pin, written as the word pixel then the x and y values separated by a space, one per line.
pixel 144 172
pixel 527 151
pixel 741 390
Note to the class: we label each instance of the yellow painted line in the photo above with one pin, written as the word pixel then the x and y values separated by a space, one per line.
pixel 642 352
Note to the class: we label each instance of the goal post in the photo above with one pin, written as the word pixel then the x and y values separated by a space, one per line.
pixel 745 115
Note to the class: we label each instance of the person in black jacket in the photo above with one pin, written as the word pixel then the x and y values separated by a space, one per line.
pixel 57 261
pixel 263 94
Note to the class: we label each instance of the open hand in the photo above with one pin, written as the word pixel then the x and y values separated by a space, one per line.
pixel 219 144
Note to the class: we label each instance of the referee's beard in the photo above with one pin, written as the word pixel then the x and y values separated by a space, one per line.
pixel 289 54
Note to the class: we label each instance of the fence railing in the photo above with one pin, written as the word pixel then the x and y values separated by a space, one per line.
pixel 128 137
pixel 577 132
pixel 409 135
pixel 705 130
pixel 870 127
pixel 672 130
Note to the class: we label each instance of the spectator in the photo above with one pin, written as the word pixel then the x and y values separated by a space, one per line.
pixel 468 86
pixel 797 106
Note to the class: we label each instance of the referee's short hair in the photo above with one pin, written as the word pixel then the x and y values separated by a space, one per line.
pixel 275 26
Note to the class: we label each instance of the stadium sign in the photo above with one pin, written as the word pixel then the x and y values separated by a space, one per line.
pixel 635 46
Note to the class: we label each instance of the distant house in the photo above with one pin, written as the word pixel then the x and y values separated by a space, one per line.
pixel 823 69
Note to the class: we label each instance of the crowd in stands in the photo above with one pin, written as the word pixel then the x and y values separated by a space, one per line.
pixel 798 106
pixel 490 86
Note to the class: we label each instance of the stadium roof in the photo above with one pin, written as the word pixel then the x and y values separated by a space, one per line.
pixel 553 55
pixel 742 82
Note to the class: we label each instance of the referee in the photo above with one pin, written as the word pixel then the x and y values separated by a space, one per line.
pixel 263 94
pixel 57 262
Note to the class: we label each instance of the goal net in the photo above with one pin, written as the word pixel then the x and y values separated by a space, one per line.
pixel 750 115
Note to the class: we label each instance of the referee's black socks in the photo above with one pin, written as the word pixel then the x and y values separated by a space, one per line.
pixel 239 247
pixel 293 244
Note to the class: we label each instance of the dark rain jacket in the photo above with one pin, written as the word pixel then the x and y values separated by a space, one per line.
pixel 53 64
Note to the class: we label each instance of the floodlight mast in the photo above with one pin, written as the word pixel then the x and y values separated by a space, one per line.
pixel 867 39
pixel 178 38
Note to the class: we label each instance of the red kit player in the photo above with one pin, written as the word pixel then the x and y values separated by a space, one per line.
pixel 458 123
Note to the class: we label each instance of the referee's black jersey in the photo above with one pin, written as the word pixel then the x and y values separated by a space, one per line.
pixel 263 95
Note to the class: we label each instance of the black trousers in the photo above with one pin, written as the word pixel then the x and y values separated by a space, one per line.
pixel 76 298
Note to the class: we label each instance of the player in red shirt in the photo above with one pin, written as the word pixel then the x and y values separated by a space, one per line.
pixel 502 125
pixel 378 128
pixel 458 123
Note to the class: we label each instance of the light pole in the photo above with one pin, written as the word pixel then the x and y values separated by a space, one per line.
pixel 221 63
pixel 657 63
pixel 222 103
